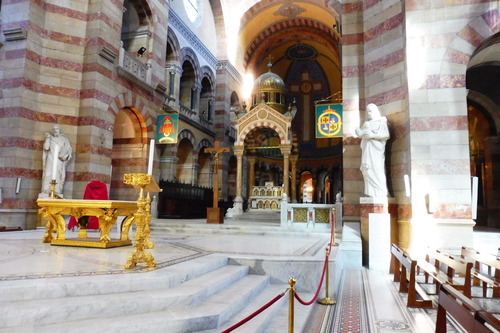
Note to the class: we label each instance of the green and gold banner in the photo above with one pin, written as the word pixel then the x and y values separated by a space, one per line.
pixel 168 128
pixel 329 121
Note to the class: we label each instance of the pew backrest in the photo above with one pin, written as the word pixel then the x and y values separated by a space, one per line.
pixel 454 265
pixel 488 277
pixel 462 309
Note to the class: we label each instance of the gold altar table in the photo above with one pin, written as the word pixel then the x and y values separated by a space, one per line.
pixel 107 211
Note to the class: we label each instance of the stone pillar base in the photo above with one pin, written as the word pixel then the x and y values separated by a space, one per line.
pixel 214 215
pixel 377 205
pixel 237 209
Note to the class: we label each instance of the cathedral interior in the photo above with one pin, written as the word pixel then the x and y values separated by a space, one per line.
pixel 219 103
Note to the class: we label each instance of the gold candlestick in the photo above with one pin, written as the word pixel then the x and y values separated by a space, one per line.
pixel 53 189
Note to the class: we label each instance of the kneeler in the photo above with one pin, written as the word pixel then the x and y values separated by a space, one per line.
pixel 95 190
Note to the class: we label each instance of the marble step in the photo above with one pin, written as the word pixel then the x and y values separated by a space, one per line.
pixel 157 226
pixel 273 319
pixel 208 314
pixel 94 285
pixel 273 217
pixel 54 310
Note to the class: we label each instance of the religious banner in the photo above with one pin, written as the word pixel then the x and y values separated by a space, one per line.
pixel 167 128
pixel 329 121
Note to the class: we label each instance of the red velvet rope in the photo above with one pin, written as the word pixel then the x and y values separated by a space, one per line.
pixel 319 287
pixel 259 311
pixel 235 326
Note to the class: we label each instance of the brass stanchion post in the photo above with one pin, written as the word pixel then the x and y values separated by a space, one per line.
pixel 291 282
pixel 327 300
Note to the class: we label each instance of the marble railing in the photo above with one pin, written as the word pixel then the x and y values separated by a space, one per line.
pixel 188 112
pixel 318 216
pixel 134 67
pixel 196 118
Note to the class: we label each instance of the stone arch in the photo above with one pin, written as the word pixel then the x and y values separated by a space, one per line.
pixel 264 117
pixel 204 143
pixel 311 29
pixel 205 174
pixel 129 150
pixel 206 72
pixel 254 9
pixel 187 158
pixel 265 124
pixel 187 54
pixel 136 103
pixel 482 64
pixel 176 47
pixel 469 34
pixel 137 27
pixel 186 134
pixel 207 93
pixel 487 104
pixel 220 27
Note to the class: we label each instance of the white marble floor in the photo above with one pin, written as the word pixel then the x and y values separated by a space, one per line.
pixel 23 257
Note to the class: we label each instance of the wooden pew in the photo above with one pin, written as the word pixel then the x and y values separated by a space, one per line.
pixel 467 313
pixel 480 277
pixel 453 266
pixel 487 319
pixel 404 270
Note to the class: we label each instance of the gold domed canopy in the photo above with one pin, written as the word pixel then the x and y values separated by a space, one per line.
pixel 270 88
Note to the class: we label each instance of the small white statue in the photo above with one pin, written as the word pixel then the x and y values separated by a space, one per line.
pixel 57 152
pixel 338 197
pixel 374 133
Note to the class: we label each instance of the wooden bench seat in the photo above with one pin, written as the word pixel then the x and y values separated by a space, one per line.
pixel 465 311
pixel 404 270
pixel 486 270
pixel 447 269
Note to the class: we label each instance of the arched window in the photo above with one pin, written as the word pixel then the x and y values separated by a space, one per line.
pixel 193 9
pixel 136 28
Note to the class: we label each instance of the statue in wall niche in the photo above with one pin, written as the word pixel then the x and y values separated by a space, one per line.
pixel 57 152
pixel 374 134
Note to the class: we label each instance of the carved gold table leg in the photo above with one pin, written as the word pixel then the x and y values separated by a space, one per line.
pixel 55 223
pixel 106 223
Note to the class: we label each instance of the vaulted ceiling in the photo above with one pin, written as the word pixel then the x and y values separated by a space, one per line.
pixel 290 31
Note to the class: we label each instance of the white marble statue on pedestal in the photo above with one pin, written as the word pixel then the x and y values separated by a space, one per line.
pixel 57 152
pixel 373 133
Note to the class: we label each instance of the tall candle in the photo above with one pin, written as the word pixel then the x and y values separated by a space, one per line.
pixel 54 163
pixel 151 156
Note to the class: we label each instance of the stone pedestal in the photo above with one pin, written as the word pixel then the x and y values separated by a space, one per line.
pixel 379 247
pixel 377 205
pixel 214 215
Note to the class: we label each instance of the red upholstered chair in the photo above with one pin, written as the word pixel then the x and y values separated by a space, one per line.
pixel 95 190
